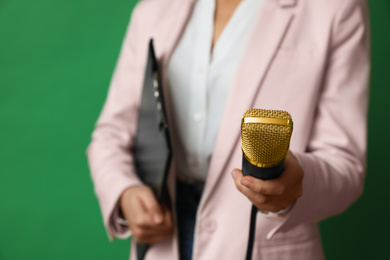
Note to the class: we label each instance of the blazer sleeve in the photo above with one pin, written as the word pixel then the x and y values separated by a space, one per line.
pixel 109 152
pixel 334 163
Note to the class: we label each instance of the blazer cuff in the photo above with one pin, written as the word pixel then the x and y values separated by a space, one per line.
pixel 117 224
pixel 292 218
pixel 281 213
pixel 109 202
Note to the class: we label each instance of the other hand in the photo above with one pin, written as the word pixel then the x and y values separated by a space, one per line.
pixel 149 222
pixel 272 195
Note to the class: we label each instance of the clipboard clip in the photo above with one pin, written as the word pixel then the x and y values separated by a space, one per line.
pixel 162 121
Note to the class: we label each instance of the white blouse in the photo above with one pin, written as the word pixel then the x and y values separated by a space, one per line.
pixel 200 82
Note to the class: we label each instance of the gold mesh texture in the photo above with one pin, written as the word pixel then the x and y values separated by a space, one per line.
pixel 265 145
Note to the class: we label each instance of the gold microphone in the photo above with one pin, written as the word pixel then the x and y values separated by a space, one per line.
pixel 265 141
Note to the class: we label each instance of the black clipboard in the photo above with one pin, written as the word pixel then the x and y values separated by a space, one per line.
pixel 152 149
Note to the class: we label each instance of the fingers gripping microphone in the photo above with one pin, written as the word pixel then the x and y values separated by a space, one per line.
pixel 265 141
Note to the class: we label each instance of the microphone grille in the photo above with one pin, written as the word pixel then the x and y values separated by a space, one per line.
pixel 265 136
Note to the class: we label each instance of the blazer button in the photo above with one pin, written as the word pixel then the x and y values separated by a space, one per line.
pixel 209 225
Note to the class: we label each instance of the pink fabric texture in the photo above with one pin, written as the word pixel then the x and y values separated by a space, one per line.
pixel 307 57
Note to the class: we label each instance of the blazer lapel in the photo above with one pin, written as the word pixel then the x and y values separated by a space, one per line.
pixel 180 15
pixel 166 37
pixel 270 28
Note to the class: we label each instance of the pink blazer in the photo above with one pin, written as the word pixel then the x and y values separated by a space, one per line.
pixel 307 57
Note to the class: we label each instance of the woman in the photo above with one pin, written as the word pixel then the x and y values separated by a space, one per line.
pixel 220 58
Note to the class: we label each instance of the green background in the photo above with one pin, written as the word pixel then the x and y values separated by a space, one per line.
pixel 56 61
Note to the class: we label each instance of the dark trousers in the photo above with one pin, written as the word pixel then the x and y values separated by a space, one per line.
pixel 187 202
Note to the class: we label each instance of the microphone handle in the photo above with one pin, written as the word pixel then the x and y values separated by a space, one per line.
pixel 263 174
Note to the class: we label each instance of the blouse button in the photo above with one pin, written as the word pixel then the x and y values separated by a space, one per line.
pixel 197 117
pixel 209 225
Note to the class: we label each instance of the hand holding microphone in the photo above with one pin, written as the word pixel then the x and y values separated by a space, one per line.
pixel 271 177
pixel 272 195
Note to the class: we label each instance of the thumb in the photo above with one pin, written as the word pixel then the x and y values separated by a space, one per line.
pixel 237 176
